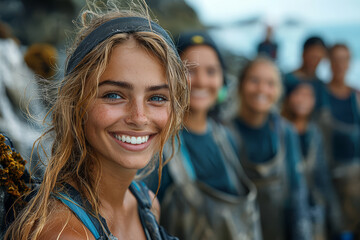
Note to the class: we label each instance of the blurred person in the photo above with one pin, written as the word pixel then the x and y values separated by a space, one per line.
pixel 41 58
pixel 123 96
pixel 268 47
pixel 341 129
pixel 204 193
pixel 270 153
pixel 314 50
pixel 18 98
pixel 298 107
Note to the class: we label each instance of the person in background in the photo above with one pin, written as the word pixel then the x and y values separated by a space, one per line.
pixel 341 129
pixel 204 193
pixel 19 95
pixel 314 50
pixel 298 106
pixel 123 96
pixel 41 58
pixel 268 47
pixel 270 153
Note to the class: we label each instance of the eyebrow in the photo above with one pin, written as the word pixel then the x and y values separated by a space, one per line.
pixel 131 87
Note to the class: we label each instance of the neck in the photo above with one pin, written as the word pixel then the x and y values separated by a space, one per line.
pixel 252 118
pixel 300 124
pixel 304 72
pixel 114 184
pixel 195 121
pixel 338 87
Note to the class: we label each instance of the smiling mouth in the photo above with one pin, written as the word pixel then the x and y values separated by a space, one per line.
pixel 132 139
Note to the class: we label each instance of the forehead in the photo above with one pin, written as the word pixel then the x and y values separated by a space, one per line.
pixel 200 54
pixel 263 68
pixel 131 62
pixel 315 49
pixel 340 51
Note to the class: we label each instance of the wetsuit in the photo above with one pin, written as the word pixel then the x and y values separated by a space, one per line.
pixel 270 155
pixel 204 192
pixel 341 130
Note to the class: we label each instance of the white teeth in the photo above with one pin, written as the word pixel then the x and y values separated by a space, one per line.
pixel 132 140
pixel 261 98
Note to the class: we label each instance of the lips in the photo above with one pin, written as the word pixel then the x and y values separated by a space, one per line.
pixel 133 141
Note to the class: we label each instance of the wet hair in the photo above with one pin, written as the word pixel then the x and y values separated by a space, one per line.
pixel 72 158
pixel 313 41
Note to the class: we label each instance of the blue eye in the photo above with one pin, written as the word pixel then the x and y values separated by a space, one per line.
pixel 158 99
pixel 112 96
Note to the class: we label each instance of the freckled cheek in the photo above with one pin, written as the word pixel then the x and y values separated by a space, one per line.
pixel 101 117
pixel 161 117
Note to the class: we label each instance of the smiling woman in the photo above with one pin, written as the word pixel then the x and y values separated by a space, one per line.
pixel 270 153
pixel 123 96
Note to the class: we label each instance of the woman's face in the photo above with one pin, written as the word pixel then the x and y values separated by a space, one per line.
pixel 260 88
pixel 205 75
pixel 340 61
pixel 312 57
pixel 131 109
pixel 302 101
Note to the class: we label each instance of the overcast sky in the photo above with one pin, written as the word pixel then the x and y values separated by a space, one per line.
pixel 310 11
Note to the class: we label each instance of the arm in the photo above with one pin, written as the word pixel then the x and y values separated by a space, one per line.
pixel 63 225
pixel 324 185
pixel 298 192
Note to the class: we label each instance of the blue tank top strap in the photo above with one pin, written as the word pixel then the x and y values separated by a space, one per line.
pixel 71 198
pixel 152 229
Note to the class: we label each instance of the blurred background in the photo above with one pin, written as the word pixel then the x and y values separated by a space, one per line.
pixel 237 26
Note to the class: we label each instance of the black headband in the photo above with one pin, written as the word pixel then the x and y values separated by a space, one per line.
pixel 110 28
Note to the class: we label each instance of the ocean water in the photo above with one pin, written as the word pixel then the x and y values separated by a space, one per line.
pixel 243 40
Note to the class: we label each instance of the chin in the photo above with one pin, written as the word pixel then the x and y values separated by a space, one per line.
pixel 134 162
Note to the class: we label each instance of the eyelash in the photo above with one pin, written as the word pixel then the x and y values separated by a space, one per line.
pixel 107 95
pixel 164 99
pixel 161 98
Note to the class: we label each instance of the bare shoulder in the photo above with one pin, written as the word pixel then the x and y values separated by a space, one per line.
pixel 62 224
pixel 155 208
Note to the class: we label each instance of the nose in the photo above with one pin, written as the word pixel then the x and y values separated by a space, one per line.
pixel 198 78
pixel 137 115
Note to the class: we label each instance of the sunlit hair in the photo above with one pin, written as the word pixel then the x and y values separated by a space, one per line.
pixel 243 74
pixel 72 158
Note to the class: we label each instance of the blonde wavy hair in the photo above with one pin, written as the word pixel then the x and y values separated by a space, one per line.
pixel 71 156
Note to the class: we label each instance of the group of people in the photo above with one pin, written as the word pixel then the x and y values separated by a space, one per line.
pixel 139 150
